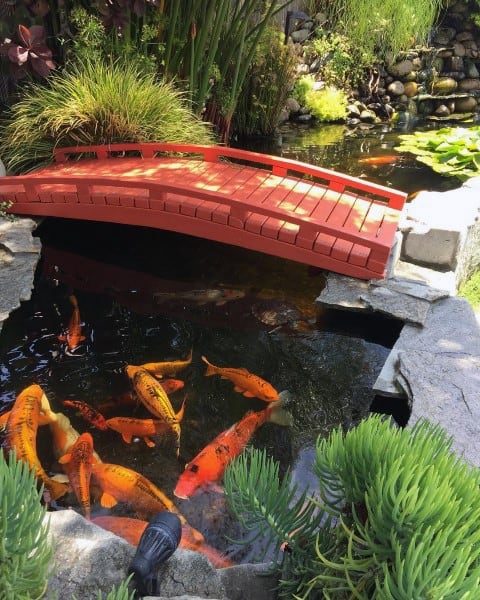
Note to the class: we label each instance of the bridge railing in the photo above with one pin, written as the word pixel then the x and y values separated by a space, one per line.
pixel 282 167
pixel 76 191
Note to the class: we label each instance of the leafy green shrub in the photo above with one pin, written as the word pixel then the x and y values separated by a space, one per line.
pixel 304 84
pixel 342 64
pixel 25 548
pixel 328 104
pixel 96 103
pixel 395 516
pixel 450 151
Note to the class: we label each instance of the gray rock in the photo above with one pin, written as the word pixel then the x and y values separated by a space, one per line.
pixel 87 559
pixel 19 256
pixel 445 388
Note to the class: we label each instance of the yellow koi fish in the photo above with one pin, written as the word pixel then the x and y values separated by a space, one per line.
pixel 155 399
pixel 170 368
pixel 21 436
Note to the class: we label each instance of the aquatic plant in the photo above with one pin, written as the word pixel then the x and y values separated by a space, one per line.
pixel 400 515
pixel 96 103
pixel 450 151
pixel 25 549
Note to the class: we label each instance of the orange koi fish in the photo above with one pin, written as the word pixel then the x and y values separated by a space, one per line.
pixel 209 465
pixel 171 367
pixel 153 397
pixel 73 336
pixel 245 382
pixel 385 159
pixel 121 484
pixel 132 529
pixel 129 427
pixel 21 436
pixel 171 385
pixel 90 414
pixel 124 399
pixel 78 466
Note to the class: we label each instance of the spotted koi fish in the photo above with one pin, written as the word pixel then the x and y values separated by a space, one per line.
pixel 73 335
pixel 244 382
pixel 78 466
pixel 90 414
pixel 208 467
pixel 121 484
pixel 21 436
pixel 153 397
pixel 130 427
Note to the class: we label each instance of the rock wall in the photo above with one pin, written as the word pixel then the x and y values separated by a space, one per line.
pixel 440 82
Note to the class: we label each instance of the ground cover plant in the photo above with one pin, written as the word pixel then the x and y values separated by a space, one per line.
pixel 395 516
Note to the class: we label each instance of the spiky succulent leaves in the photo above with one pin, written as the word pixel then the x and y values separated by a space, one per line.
pixel 26 549
pixel 409 516
pixel 271 510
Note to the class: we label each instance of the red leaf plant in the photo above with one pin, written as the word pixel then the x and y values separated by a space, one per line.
pixel 32 52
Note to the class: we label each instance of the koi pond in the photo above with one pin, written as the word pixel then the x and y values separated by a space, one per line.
pixel 150 296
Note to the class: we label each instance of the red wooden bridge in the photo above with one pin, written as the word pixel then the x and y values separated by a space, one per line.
pixel 265 203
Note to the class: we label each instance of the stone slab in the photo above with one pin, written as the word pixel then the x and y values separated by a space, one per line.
pixel 397 297
pixel 445 389
pixel 451 328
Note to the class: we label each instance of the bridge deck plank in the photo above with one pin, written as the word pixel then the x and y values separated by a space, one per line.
pixel 305 219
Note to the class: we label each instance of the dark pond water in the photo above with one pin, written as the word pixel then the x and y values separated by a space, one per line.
pixel 327 361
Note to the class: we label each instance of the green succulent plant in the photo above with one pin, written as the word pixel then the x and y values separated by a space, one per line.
pixel 395 516
pixel 25 548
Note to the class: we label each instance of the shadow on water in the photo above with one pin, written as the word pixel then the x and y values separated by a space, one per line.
pixel 142 295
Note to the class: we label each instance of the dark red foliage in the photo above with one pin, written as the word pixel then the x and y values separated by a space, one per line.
pixel 31 53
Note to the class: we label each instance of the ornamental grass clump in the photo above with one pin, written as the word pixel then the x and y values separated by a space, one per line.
pixel 96 102
pixel 25 547
pixel 395 516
